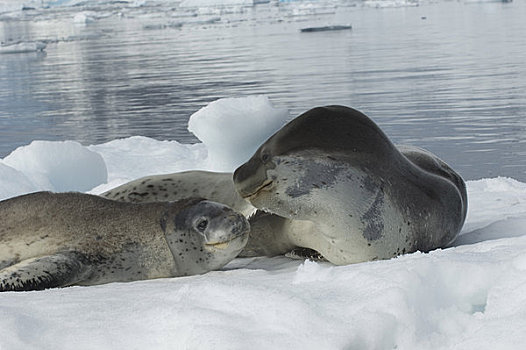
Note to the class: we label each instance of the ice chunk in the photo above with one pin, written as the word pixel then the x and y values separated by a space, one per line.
pixel 84 18
pixel 59 166
pixel 13 182
pixel 22 47
pixel 139 156
pixel 233 128
pixel 212 3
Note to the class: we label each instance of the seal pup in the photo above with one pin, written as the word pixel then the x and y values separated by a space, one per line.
pixel 366 200
pixel 60 239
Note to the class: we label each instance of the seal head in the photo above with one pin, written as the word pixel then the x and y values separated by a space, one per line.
pixel 205 236
pixel 333 166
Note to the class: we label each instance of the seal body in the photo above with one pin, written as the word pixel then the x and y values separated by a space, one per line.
pixel 217 187
pixel 60 239
pixel 365 198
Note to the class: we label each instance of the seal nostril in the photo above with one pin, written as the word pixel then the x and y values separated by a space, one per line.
pixel 240 226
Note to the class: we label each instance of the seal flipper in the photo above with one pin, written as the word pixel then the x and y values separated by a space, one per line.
pixel 58 270
pixel 305 253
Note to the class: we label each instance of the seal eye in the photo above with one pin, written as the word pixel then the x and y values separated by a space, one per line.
pixel 265 157
pixel 201 225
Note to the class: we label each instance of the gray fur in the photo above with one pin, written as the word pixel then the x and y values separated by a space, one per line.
pixel 217 187
pixel 60 239
pixel 365 198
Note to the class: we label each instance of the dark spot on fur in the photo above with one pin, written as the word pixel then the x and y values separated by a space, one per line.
pixel 372 219
pixel 370 185
pixel 143 194
pixel 163 223
pixel 318 173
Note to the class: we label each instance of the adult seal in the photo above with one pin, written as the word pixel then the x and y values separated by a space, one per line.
pixel 365 198
pixel 60 239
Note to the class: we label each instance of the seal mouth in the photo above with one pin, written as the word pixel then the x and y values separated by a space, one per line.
pixel 219 245
pixel 267 184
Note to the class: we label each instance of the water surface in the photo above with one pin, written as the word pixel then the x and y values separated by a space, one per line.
pixel 447 76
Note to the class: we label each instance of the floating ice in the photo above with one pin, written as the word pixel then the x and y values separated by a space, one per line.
pixel 233 128
pixel 13 182
pixel 325 28
pixel 84 18
pixel 212 3
pixel 59 166
pixel 22 47
pixel 390 3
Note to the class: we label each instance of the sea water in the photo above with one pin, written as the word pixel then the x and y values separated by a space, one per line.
pixel 446 76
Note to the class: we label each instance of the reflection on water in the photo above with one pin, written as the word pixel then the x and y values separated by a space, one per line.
pixel 450 77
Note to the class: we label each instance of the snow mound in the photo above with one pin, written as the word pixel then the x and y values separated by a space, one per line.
pixel 497 208
pixel 233 128
pixel 59 166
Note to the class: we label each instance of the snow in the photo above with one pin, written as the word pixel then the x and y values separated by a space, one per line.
pixel 471 295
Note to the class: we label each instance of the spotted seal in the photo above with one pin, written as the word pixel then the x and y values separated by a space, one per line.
pixel 365 198
pixel 60 239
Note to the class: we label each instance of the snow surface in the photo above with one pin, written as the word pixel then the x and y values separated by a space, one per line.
pixel 469 296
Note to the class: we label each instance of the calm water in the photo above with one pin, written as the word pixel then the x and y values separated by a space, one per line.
pixel 449 76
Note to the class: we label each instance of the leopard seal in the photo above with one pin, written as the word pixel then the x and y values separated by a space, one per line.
pixel 52 240
pixel 365 198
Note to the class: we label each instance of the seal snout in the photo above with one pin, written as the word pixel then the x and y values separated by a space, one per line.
pixel 240 225
pixel 250 178
pixel 247 193
pixel 231 227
